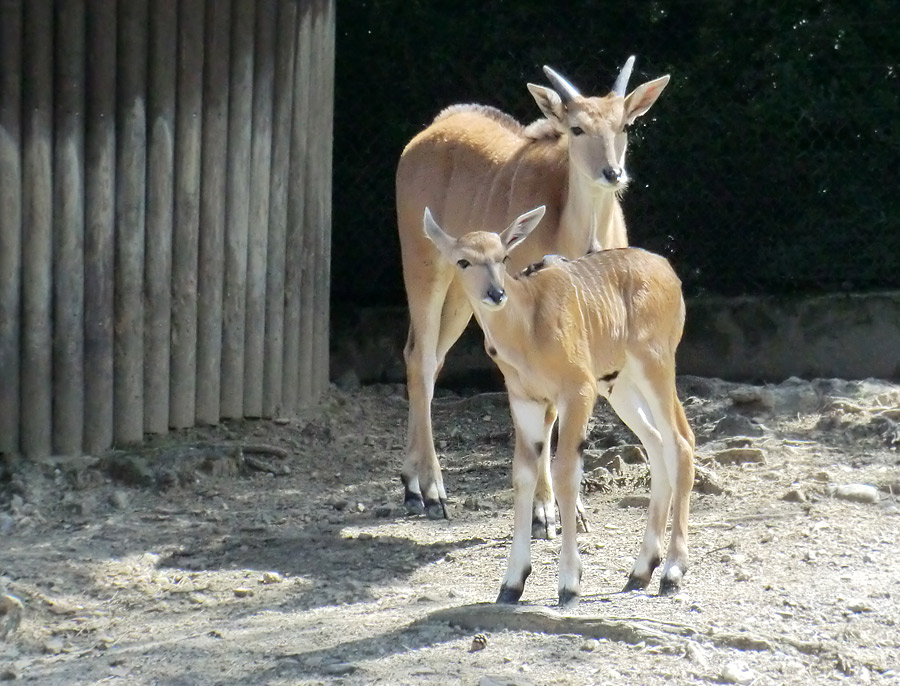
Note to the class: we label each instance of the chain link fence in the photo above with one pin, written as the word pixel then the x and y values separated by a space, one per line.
pixel 768 166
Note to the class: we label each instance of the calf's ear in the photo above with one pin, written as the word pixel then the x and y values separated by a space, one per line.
pixel 435 233
pixel 523 225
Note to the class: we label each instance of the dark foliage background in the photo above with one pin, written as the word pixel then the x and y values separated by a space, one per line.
pixel 768 166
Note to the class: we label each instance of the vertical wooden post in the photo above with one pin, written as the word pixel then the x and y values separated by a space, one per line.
pixel 128 358
pixel 281 146
pixel 329 193
pixel 315 185
pixel 311 182
pixel 260 169
pixel 37 216
pixel 185 238
pixel 10 220
pixel 158 246
pixel 325 74
pixel 237 208
pixel 212 211
pixel 99 230
pixel 296 224
pixel 68 230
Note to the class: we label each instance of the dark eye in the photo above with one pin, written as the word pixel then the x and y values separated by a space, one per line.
pixel 462 264
pixel 577 130
pixel 506 259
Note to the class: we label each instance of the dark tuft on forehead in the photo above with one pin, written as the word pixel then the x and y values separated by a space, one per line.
pixel 609 108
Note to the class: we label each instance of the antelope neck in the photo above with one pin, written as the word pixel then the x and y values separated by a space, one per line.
pixel 587 206
pixel 507 322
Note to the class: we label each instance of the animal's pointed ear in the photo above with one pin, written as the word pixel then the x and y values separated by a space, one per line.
pixel 523 225
pixel 642 98
pixel 550 103
pixel 441 240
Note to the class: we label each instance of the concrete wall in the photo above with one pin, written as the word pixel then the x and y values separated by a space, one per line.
pixel 739 339
pixel 848 336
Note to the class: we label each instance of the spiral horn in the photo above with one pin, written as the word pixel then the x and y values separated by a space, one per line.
pixel 565 89
pixel 621 84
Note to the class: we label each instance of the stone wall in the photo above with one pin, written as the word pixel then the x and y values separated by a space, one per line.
pixel 740 339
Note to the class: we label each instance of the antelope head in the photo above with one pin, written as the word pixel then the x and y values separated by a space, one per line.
pixel 480 256
pixel 595 127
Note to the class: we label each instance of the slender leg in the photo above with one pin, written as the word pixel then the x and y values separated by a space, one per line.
pixel 425 307
pixel 583 526
pixel 455 314
pixel 658 387
pixel 543 523
pixel 543 520
pixel 574 416
pixel 528 419
pixel 629 403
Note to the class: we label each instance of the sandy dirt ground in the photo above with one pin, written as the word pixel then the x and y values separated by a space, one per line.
pixel 277 553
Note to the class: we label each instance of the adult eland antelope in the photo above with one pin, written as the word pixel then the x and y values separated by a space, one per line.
pixel 475 166
pixel 564 333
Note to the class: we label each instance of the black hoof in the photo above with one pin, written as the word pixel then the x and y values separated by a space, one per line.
pixel 412 501
pixel 543 530
pixel 509 595
pixel 635 583
pixel 668 586
pixel 413 505
pixel 568 599
pixel 436 509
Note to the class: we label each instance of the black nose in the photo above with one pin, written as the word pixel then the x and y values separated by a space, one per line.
pixel 495 294
pixel 612 174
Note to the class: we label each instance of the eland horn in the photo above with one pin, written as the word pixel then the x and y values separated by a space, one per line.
pixel 565 89
pixel 621 84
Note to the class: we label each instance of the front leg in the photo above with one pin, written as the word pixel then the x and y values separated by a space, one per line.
pixel 574 416
pixel 423 485
pixel 421 473
pixel 528 419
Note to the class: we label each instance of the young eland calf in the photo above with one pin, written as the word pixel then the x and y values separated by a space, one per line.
pixel 564 332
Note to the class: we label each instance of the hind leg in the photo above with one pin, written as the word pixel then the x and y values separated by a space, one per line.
pixel 543 519
pixel 629 403
pixel 654 382
pixel 658 386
